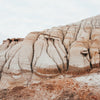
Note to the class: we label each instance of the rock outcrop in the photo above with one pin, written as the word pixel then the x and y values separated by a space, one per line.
pixel 52 51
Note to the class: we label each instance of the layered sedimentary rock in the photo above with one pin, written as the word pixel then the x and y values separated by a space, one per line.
pixel 52 51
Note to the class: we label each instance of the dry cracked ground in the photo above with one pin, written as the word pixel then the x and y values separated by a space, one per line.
pixel 61 63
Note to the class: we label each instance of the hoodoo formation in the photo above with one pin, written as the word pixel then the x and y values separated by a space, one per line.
pixel 52 51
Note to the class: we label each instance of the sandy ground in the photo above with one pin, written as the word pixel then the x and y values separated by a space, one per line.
pixel 62 87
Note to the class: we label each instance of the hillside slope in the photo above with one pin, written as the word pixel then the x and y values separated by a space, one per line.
pixel 71 51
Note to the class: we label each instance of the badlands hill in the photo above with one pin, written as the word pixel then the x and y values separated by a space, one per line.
pixel 55 64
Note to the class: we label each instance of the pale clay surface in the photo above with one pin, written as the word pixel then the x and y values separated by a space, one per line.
pixel 50 49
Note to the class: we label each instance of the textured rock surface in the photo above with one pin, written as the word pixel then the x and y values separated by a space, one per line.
pixel 73 47
pixel 59 88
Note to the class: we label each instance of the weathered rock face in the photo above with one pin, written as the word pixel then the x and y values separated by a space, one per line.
pixel 52 51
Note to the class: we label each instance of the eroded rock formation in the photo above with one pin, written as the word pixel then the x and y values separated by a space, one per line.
pixel 52 51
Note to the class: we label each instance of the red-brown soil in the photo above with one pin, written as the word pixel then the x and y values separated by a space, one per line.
pixel 51 89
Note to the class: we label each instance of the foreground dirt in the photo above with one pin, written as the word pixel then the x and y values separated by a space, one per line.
pixel 77 86
pixel 59 88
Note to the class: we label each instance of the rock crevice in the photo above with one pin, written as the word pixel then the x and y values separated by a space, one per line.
pixel 53 50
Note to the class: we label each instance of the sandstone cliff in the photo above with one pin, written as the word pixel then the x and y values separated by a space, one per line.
pixel 69 49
